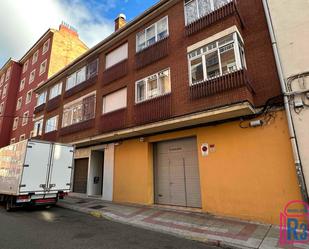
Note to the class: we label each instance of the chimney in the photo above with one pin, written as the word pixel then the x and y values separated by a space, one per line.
pixel 120 21
pixel 65 27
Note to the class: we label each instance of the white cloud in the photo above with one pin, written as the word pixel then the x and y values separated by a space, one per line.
pixel 22 22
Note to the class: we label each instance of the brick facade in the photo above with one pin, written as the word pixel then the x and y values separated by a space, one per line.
pixel 258 83
pixel 64 46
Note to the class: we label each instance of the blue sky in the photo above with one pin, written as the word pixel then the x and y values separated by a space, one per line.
pixel 22 22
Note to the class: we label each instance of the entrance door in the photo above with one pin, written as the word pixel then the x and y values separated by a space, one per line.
pixel 80 176
pixel 177 180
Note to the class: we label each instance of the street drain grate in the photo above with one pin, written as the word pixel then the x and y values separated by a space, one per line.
pixel 97 207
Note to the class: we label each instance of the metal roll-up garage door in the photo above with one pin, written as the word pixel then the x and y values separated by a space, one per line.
pixel 80 176
pixel 177 180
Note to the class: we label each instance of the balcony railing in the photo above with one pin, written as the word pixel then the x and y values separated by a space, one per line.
pixel 152 53
pixel 53 103
pixel 226 10
pixel 113 121
pixel 39 108
pixel 82 126
pixel 220 84
pixel 115 72
pixel 80 87
pixel 153 110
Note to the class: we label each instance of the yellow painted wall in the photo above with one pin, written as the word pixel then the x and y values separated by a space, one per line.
pixel 133 174
pixel 250 175
pixel 65 48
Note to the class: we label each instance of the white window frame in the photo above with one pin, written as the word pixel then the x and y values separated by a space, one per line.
pixel 19 103
pixel 8 73
pixel 35 57
pixel 156 34
pixel 5 91
pixel 147 87
pixel 40 121
pixel 44 69
pixel 2 79
pixel 46 47
pixel 25 67
pixel 22 137
pixel 1 109
pixel 12 141
pixel 15 123
pixel 22 84
pixel 31 79
pixel 212 5
pixel 59 92
pixel 75 78
pixel 55 127
pixel 28 100
pixel 24 119
pixel 44 98
pixel 203 55
pixel 72 105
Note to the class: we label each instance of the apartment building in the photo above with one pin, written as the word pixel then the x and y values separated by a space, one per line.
pixel 180 107
pixel 9 81
pixel 54 50
pixel 291 37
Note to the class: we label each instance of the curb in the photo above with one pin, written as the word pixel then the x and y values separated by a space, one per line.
pixel 100 215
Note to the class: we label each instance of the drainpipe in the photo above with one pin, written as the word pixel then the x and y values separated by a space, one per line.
pixel 298 166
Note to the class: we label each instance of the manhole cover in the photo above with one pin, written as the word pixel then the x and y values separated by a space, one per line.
pixel 97 207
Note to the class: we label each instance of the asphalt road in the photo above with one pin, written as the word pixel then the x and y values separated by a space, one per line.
pixel 58 228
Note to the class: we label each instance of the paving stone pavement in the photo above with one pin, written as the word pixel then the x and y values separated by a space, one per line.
pixel 224 232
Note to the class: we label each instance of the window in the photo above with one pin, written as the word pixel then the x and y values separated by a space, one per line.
pixel 43 67
pixel 46 46
pixel 5 91
pixel 1 109
pixel 8 73
pixel 12 141
pixel 76 78
pixel 115 101
pixel 35 57
pixel 51 124
pixel 152 34
pixel 92 68
pixel 41 99
pixel 80 76
pixel 25 67
pixel 22 84
pixel 196 9
pixel 117 55
pixel 55 90
pixel 78 111
pixel 216 59
pixel 38 127
pixel 22 137
pixel 32 76
pixel 2 79
pixel 15 123
pixel 28 97
pixel 25 118
pixel 153 86
pixel 19 103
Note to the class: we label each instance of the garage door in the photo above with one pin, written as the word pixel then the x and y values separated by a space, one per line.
pixel 80 176
pixel 177 180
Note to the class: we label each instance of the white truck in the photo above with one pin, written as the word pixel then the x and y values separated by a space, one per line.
pixel 34 172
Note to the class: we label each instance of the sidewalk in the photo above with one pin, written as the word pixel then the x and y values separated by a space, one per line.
pixel 223 232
